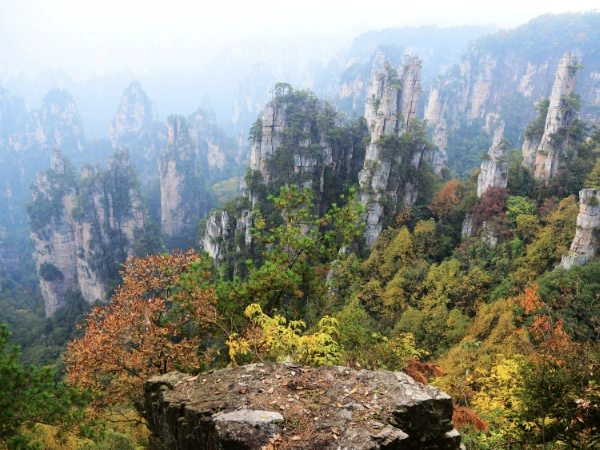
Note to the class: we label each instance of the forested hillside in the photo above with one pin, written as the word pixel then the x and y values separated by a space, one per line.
pixel 454 245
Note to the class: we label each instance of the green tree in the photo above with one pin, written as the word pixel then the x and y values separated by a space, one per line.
pixel 30 398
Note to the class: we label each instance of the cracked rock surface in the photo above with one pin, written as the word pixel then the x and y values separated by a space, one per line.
pixel 283 406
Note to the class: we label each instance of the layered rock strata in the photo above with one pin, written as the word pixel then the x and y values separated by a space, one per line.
pixel 390 106
pixel 494 168
pixel 252 406
pixel 83 230
pixel 587 237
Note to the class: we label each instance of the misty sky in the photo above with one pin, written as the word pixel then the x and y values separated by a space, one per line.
pixel 88 37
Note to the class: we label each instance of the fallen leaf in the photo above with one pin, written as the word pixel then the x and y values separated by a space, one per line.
pixel 353 391
pixel 336 430
pixel 216 392
pixel 296 438
pixel 243 390
pixel 299 388
pixel 339 405
pixel 189 380
pixel 285 383
pixel 277 376
pixel 321 392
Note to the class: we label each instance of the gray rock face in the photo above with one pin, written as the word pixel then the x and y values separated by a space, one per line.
pixel 220 233
pixel 467 227
pixel 274 123
pixel 26 142
pixel 585 244
pixel 390 106
pixel 76 227
pixel 440 140
pixel 252 406
pixel 183 195
pixel 136 127
pixel 552 147
pixel 494 169
pixel 57 124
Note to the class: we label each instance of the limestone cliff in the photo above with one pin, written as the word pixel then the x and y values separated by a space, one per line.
pixel 440 140
pixel 504 75
pixel 302 140
pixel 215 150
pixel 136 127
pixel 227 231
pixel 57 124
pixel 390 107
pixel 182 187
pixel 83 230
pixel 494 168
pixel 253 406
pixel 585 244
pixel 561 111
pixel 26 142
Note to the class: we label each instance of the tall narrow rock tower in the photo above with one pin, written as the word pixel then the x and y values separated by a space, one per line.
pixel 545 156
pixel 390 106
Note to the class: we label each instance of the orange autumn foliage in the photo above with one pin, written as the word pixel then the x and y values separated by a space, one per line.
pixel 446 200
pixel 462 416
pixel 548 333
pixel 148 328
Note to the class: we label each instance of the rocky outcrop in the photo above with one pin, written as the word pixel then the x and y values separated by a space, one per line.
pixel 561 111
pixel 210 142
pixel 226 232
pixel 57 124
pixel 585 244
pixel 54 196
pixel 305 157
pixel 494 168
pixel 390 107
pixel 440 140
pixel 264 406
pixel 136 127
pixel 182 187
pixel 83 230
pixel 292 145
pixel 26 142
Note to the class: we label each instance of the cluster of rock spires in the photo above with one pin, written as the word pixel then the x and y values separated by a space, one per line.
pixel 26 138
pixel 283 405
pixel 390 107
pixel 80 227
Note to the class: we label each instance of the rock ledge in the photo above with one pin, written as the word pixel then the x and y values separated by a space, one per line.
pixel 282 406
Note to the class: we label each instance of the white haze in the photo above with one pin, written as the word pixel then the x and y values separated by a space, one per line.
pixel 88 37
pixel 198 53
